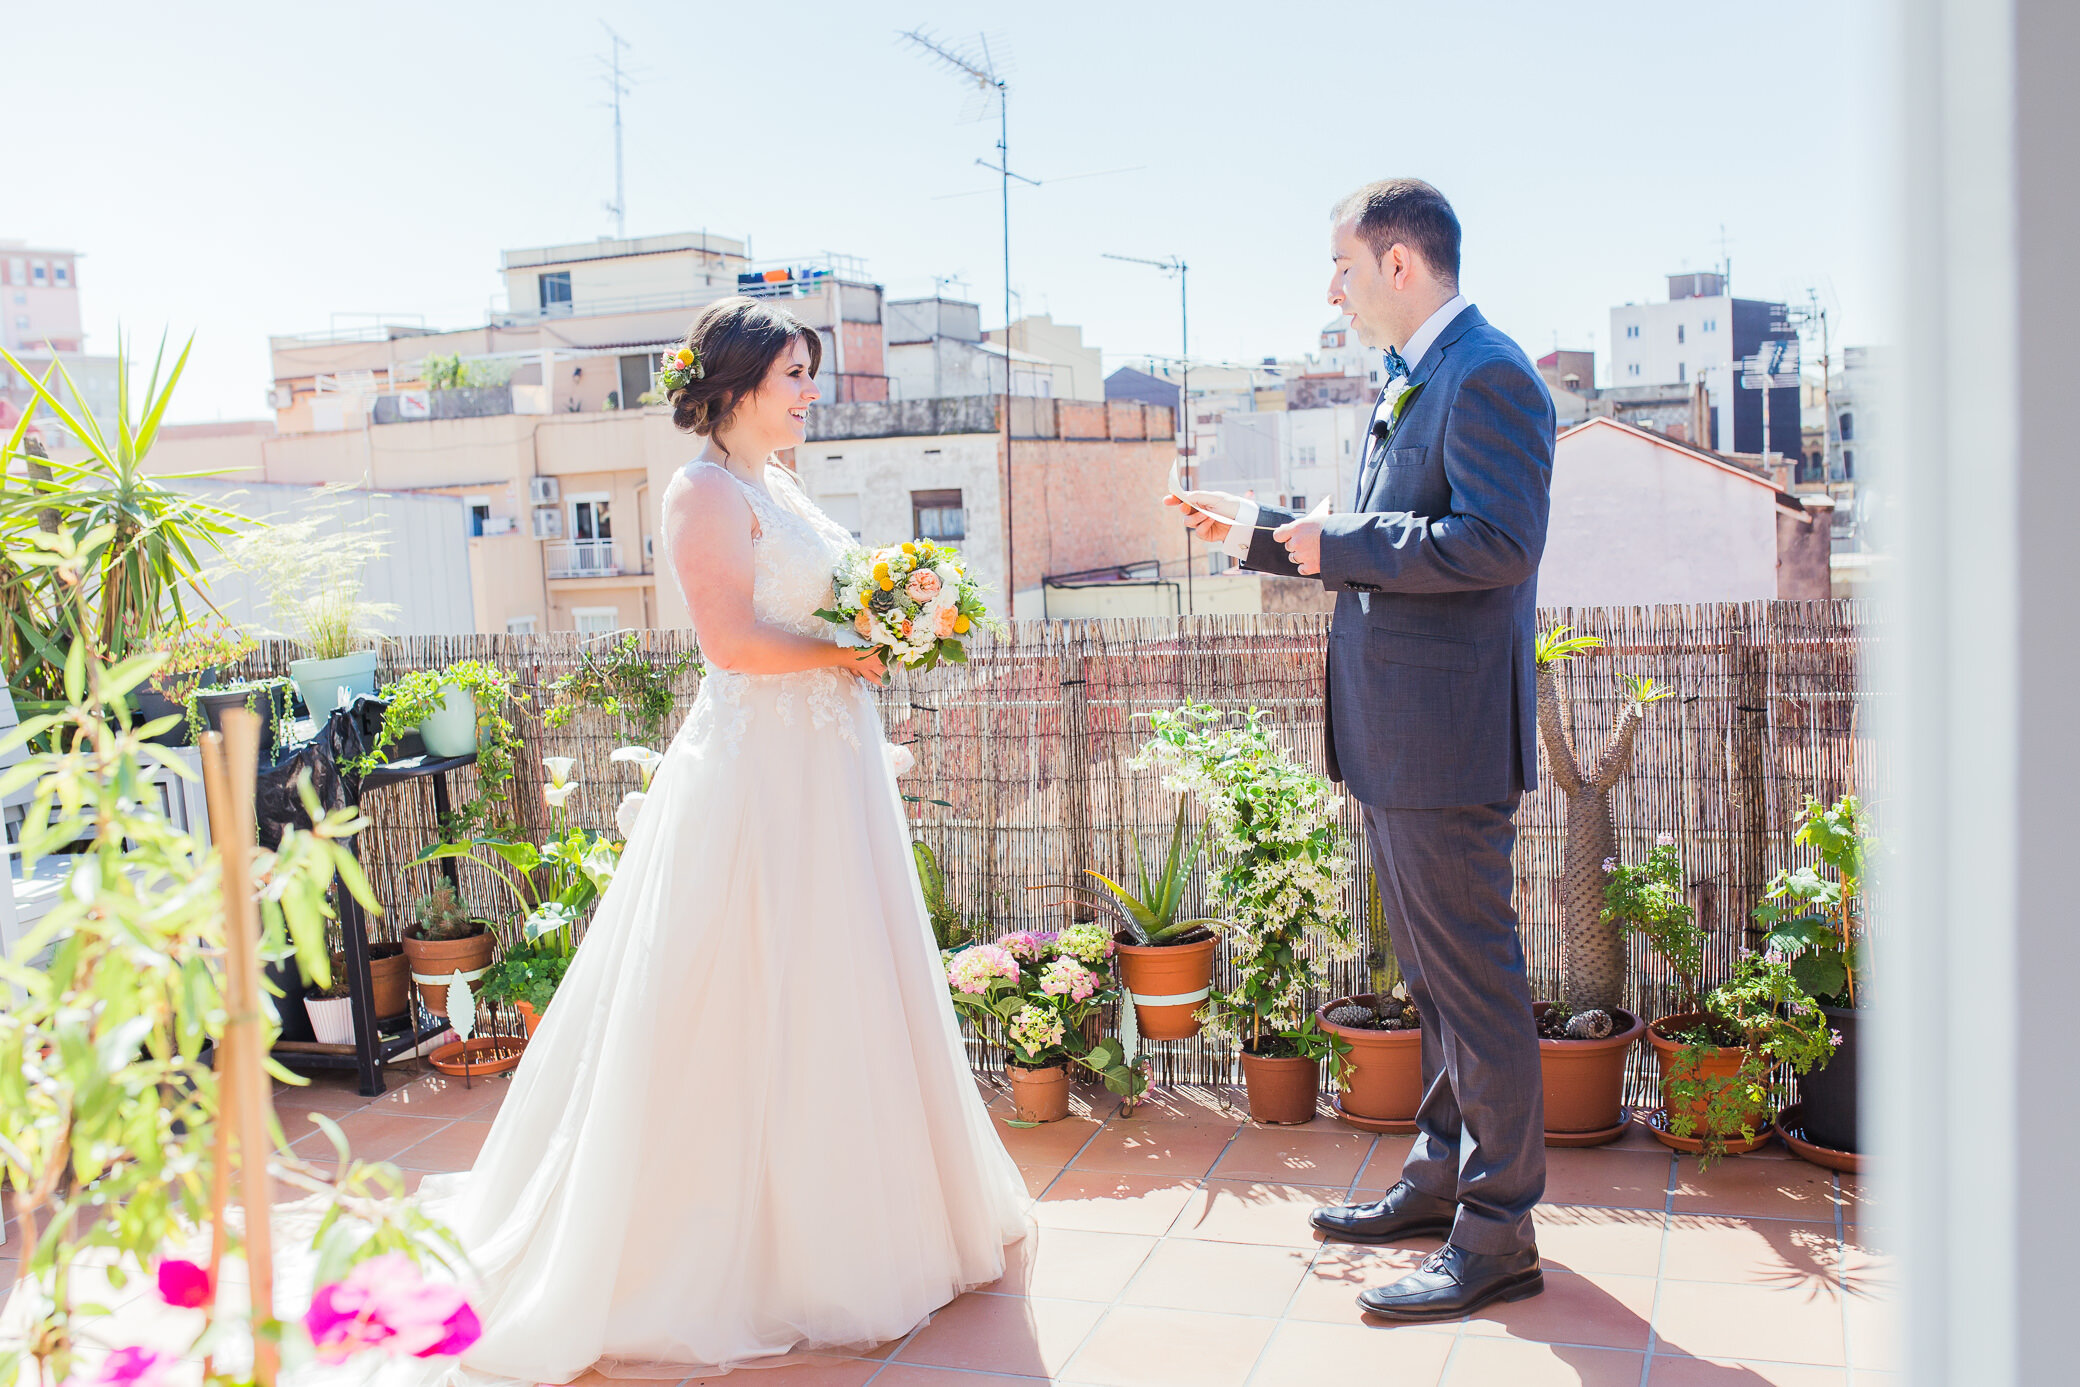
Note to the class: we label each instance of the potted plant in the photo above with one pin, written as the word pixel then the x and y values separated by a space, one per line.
pixel 1814 916
pixel 1380 1083
pixel 622 681
pixel 313 569
pixel 389 980
pixel 1722 1066
pixel 1284 866
pixel 552 885
pixel 1165 962
pixel 454 711
pixel 192 657
pixel 1037 993
pixel 445 942
pixel 1585 1036
pixel 267 699
pixel 330 1007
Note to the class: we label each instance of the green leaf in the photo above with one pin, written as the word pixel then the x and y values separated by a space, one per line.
pixel 1820 974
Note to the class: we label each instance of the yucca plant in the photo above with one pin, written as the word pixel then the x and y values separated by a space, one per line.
pixel 145 575
pixel 1592 949
pixel 1151 913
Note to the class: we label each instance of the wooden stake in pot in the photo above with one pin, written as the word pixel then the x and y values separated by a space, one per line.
pixel 230 760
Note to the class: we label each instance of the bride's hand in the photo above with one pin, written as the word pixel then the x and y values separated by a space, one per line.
pixel 866 663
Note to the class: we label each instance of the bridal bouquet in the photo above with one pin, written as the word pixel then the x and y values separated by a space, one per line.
pixel 912 600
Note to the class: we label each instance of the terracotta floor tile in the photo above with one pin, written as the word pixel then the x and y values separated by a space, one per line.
pixel 1485 1362
pixel 1758 1252
pixel 1383 1166
pixel 1756 1189
pixel 1706 1320
pixel 1038 1178
pixel 917 1375
pixel 372 1136
pixel 833 1374
pixel 1140 1346
pixel 1051 1143
pixel 1193 1103
pixel 1728 1372
pixel 1135 1147
pixel 1577 1308
pixel 1865 1270
pixel 1220 1278
pixel 1099 1202
pixel 1607 1179
pixel 1855 1196
pixel 1317 1355
pixel 1636 1137
pixel 1874 1337
pixel 438 1095
pixel 1298 1156
pixel 1242 1211
pixel 1328 1293
pixel 1617 1242
pixel 453 1147
pixel 1070 1264
pixel 1004 1334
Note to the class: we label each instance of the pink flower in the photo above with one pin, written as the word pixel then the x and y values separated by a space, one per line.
pixel 1024 945
pixel 1065 977
pixel 385 1303
pixel 942 625
pixel 183 1284
pixel 972 969
pixel 1834 1037
pixel 1666 840
pixel 922 585
pixel 129 1367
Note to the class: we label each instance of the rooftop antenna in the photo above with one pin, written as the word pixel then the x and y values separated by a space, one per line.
pixel 1174 265
pixel 618 85
pixel 982 76
pixel 1725 264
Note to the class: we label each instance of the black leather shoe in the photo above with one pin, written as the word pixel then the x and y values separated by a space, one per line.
pixel 1452 1283
pixel 1406 1212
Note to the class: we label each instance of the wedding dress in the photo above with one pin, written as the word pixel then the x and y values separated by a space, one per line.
pixel 746 1127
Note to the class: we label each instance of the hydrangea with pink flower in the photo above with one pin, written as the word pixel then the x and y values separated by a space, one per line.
pixel 1035 991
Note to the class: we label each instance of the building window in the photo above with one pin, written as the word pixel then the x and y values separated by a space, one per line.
pixel 638 374
pixel 1848 423
pixel 1632 369
pixel 37 273
pixel 520 625
pixel 60 274
pixel 1709 325
pixel 1632 329
pixel 556 292
pixel 1681 367
pixel 1299 504
pixel 1679 334
pixel 479 513
pixel 1848 466
pixel 17 271
pixel 596 621
pixel 938 515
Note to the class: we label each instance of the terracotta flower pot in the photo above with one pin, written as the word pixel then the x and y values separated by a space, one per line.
pixel 529 1017
pixel 1281 1091
pixel 442 959
pixel 389 980
pixel 1585 1081
pixel 1385 1083
pixel 1723 1062
pixel 1169 984
pixel 1038 1095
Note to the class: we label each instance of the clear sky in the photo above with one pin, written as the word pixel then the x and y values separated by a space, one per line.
pixel 235 170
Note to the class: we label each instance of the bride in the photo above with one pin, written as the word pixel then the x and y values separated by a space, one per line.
pixel 747 1127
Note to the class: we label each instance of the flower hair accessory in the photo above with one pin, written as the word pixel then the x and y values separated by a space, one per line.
pixel 681 369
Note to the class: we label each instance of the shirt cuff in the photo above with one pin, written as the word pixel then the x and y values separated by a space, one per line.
pixel 1241 530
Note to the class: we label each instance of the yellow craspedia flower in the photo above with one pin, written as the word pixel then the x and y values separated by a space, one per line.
pixel 960 625
pixel 685 357
pixel 881 569
pixel 887 583
pixel 908 547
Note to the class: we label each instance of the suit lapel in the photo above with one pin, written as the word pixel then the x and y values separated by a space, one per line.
pixel 1468 319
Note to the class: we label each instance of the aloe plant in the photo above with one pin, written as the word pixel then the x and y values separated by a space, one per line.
pixel 1151 913
pixel 1592 949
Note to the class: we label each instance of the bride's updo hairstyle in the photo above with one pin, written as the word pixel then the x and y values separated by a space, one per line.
pixel 736 340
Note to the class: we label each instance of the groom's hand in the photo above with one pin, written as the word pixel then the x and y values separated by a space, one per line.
pixel 1302 538
pixel 1207 512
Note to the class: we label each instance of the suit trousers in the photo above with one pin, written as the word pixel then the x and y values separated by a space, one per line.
pixel 1444 885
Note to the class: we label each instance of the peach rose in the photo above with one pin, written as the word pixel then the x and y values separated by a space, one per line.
pixel 923 585
pixel 864 624
pixel 947 617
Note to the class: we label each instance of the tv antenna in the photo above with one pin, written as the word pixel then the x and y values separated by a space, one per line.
pixel 1174 265
pixel 618 85
pixel 980 72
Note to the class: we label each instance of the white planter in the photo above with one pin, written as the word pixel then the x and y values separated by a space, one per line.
pixel 322 681
pixel 332 1018
pixel 453 730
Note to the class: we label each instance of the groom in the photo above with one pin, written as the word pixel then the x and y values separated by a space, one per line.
pixel 1429 715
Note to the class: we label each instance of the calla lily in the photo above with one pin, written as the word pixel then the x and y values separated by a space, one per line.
pixel 559 768
pixel 625 814
pixel 548 919
pixel 646 761
pixel 555 795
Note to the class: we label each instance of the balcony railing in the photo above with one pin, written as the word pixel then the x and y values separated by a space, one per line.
pixel 585 558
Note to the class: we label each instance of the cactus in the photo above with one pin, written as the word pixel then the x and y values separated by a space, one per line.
pixel 1592 951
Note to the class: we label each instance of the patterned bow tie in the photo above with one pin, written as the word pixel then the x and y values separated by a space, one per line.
pixel 1397 365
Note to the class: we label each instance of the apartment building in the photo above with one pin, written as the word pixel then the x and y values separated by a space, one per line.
pixel 41 326
pixel 1704 334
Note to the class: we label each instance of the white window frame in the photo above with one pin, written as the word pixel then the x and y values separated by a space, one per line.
pixel 612 614
pixel 576 499
pixel 522 625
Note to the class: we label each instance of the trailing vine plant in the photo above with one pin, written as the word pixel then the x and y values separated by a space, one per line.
pixel 417 696
pixel 623 681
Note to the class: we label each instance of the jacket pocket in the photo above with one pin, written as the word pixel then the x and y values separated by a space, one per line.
pixel 1404 457
pixel 1415 648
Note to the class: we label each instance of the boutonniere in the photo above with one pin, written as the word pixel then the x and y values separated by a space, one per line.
pixel 1400 395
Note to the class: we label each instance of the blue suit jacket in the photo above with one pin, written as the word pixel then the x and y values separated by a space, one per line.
pixel 1431 701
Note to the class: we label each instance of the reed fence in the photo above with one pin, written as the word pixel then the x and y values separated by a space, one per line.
pixel 1022 777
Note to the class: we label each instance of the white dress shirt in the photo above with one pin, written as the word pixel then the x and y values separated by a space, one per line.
pixel 1239 533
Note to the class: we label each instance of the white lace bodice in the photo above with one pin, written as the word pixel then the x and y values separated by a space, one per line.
pixel 792 555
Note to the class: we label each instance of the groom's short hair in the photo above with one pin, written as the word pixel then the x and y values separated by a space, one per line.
pixel 1410 211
